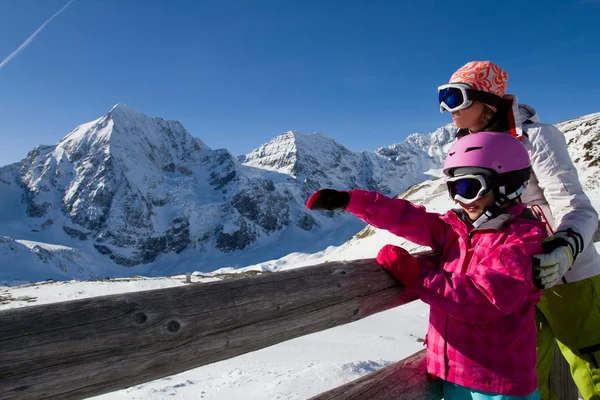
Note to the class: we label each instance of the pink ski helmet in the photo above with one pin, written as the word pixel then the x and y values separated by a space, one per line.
pixel 501 154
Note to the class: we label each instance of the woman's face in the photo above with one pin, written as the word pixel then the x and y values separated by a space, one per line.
pixel 469 118
pixel 476 208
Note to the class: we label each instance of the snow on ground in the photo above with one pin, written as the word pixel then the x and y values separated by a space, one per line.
pixel 55 291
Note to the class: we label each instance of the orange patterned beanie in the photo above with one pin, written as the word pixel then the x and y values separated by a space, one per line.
pixel 482 75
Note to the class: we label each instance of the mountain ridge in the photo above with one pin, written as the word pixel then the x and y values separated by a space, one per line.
pixel 128 190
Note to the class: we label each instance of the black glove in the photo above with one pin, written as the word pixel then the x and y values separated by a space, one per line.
pixel 328 199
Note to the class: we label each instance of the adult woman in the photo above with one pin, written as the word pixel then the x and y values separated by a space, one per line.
pixel 569 271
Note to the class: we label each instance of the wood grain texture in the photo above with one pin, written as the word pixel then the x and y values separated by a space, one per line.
pixel 560 381
pixel 404 380
pixel 81 348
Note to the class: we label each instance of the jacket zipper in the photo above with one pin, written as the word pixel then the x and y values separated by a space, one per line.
pixel 464 267
pixel 469 255
pixel 465 264
pixel 446 358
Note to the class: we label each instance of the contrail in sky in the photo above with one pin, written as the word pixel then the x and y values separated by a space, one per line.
pixel 33 35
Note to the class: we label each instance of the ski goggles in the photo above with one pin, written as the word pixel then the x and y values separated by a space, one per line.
pixel 468 188
pixel 458 96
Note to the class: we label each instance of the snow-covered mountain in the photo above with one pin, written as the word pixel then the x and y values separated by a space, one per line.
pixel 319 161
pixel 130 194
pixel 419 153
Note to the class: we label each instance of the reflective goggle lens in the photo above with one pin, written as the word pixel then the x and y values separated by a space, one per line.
pixel 452 97
pixel 467 188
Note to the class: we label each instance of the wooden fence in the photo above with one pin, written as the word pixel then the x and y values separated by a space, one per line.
pixel 87 347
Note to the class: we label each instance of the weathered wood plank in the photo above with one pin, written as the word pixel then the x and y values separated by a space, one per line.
pixel 92 346
pixel 404 380
pixel 560 381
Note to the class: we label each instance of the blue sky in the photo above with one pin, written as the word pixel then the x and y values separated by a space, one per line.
pixel 238 73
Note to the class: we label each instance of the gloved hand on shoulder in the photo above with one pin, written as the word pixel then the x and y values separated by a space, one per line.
pixel 560 251
pixel 328 199
pixel 399 263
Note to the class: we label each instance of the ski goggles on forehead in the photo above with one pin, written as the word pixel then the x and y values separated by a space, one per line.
pixel 458 96
pixel 468 188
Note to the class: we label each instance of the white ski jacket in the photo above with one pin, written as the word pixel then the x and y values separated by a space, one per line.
pixel 555 187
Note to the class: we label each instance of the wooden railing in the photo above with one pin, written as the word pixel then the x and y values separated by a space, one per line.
pixel 87 347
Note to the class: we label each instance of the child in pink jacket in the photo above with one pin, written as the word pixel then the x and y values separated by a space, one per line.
pixel 481 338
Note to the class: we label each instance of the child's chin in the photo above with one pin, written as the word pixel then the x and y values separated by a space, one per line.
pixel 474 216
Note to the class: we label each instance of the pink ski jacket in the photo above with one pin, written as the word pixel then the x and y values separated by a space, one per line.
pixel 482 332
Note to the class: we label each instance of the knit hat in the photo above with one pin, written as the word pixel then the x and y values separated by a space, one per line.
pixel 482 75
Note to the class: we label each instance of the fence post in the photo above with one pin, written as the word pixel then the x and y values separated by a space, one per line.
pixel 560 381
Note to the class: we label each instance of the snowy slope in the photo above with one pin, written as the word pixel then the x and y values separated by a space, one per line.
pixel 583 138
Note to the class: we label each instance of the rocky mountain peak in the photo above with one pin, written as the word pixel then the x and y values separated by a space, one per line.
pixel 285 152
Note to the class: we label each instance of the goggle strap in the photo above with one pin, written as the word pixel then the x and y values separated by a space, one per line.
pixel 484 97
pixel 517 193
pixel 488 214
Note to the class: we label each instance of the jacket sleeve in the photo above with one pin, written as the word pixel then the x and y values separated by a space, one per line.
pixel 400 217
pixel 559 182
pixel 500 283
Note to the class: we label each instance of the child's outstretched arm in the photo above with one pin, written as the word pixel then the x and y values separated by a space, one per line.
pixel 400 217
pixel 500 285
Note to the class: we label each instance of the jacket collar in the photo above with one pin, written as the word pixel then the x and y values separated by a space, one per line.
pixel 496 223
pixel 518 115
